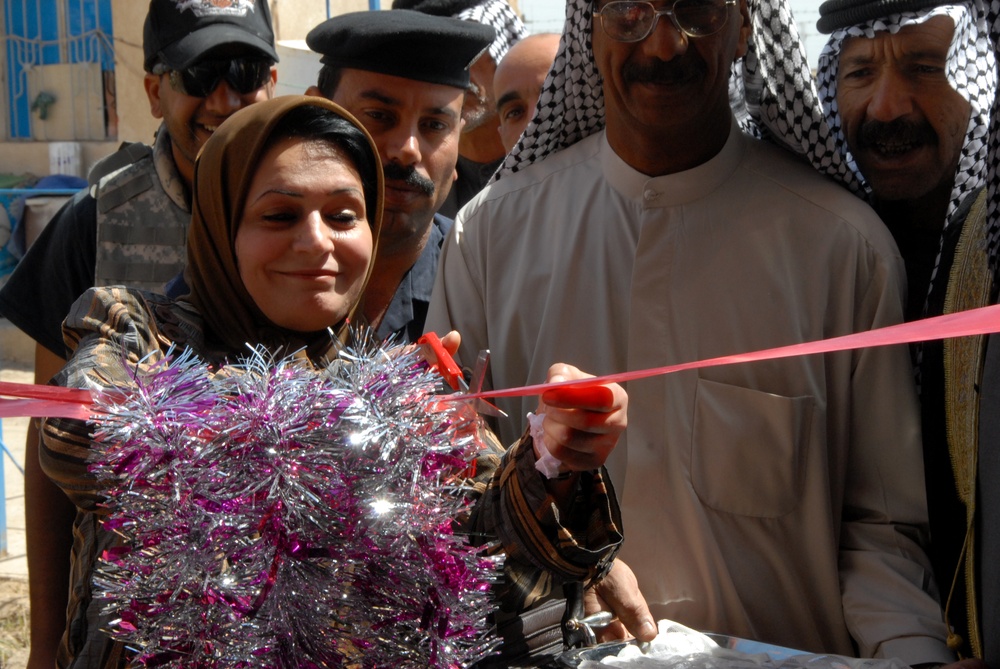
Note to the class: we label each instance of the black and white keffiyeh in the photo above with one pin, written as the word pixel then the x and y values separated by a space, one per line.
pixel 971 70
pixel 498 15
pixel 993 152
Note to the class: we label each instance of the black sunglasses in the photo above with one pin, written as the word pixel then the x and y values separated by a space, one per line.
pixel 244 75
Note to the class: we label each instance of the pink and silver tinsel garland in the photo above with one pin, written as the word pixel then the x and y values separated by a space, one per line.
pixel 274 516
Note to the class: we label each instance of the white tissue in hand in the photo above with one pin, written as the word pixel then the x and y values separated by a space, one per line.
pixel 546 463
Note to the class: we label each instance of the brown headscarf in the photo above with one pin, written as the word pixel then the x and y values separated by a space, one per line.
pixel 223 172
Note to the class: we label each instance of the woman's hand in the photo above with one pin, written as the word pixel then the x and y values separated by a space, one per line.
pixel 582 425
pixel 450 343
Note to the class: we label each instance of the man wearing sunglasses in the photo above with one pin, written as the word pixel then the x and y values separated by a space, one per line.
pixel 204 60
pixel 634 226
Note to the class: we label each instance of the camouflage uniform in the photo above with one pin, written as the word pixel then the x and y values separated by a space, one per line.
pixel 129 228
pixel 142 217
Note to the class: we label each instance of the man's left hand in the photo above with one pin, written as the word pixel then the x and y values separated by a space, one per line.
pixel 619 593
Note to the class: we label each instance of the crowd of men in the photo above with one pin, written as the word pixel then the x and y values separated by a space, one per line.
pixel 663 182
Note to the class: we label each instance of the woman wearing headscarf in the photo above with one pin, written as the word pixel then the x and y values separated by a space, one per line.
pixel 287 207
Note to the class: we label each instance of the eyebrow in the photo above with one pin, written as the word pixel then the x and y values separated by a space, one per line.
pixel 379 96
pixel 510 96
pixel 298 194
pixel 907 56
pixel 388 100
pixel 924 54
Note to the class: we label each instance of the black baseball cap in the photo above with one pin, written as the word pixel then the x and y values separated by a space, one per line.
pixel 402 43
pixel 178 33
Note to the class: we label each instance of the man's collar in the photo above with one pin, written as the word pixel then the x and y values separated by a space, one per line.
pixel 417 284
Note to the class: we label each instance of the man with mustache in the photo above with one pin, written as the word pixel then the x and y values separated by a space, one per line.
pixel 389 69
pixel 203 62
pixel 633 226
pixel 907 87
pixel 480 150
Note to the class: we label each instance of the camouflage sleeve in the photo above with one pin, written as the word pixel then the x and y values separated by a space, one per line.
pixel 544 549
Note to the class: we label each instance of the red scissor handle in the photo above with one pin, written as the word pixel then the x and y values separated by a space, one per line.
pixel 445 365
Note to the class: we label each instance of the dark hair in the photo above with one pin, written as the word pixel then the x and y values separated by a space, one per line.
pixel 318 123
pixel 328 80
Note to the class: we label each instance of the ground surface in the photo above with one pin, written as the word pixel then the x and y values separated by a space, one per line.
pixel 13 624
pixel 13 568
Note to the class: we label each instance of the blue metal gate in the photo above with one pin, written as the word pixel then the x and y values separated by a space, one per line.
pixel 47 32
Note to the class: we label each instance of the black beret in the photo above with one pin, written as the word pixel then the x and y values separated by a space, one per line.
pixel 402 43
pixel 836 14
pixel 436 7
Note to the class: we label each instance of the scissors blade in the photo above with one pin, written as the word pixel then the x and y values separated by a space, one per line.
pixel 479 371
pixel 478 374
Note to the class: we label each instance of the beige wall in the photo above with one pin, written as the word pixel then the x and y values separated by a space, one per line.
pixel 33 157
pixel 135 123
pixel 292 19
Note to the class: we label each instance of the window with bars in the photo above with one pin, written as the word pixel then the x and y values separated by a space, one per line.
pixel 57 70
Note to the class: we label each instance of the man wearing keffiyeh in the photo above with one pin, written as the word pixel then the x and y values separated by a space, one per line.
pixel 633 226
pixel 907 87
pixel 481 150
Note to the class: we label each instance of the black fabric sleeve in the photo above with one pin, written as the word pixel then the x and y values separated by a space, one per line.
pixel 58 268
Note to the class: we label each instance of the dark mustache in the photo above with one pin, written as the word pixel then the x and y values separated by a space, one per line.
pixel 409 176
pixel 657 72
pixel 898 130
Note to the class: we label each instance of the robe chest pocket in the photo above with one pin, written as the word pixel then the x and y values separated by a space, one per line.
pixel 748 449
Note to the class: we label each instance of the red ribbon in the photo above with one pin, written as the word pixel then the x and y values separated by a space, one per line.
pixel 45 401
pixel 985 320
pixel 51 401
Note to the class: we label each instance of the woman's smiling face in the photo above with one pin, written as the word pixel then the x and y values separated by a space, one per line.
pixel 304 243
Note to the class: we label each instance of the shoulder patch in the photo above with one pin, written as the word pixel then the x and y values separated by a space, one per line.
pixel 114 194
pixel 127 154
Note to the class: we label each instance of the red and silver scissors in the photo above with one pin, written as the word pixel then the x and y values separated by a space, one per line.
pixel 453 376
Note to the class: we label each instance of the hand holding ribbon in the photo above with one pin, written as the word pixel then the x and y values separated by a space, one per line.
pixel 581 425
